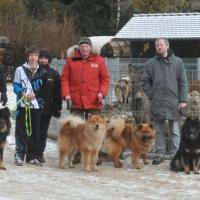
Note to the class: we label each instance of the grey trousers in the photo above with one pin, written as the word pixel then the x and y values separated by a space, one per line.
pixel 160 145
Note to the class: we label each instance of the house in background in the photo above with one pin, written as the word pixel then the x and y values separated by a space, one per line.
pixel 182 30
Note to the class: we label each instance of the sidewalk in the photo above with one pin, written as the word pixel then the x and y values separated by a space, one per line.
pixel 48 182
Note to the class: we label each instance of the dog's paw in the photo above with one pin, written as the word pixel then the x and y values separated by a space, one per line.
pixel 61 166
pixel 2 168
pixel 146 162
pixel 118 164
pixel 96 169
pixel 137 166
pixel 86 169
pixel 187 172
pixel 195 172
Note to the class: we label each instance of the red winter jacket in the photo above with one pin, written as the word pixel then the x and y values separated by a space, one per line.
pixel 82 80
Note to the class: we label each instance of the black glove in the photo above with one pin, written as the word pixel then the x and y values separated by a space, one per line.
pixel 4 98
pixel 56 113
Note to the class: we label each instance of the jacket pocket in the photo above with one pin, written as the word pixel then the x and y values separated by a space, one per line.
pixel 75 89
pixel 93 89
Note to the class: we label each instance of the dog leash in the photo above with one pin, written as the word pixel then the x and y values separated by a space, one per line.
pixel 27 114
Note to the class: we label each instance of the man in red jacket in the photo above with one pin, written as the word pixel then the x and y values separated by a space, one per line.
pixel 85 79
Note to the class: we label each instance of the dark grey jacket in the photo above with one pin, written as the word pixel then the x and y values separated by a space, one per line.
pixel 165 83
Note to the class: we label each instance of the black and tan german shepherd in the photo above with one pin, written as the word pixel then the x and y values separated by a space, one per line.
pixel 187 157
pixel 5 126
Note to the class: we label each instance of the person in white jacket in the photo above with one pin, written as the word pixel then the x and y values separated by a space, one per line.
pixel 29 86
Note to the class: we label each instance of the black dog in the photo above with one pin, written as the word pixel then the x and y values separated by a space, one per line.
pixel 187 157
pixel 5 126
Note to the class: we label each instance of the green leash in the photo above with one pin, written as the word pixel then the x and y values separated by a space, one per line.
pixel 28 118
pixel 27 114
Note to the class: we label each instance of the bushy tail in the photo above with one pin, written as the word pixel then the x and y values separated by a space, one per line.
pixel 115 128
pixel 72 121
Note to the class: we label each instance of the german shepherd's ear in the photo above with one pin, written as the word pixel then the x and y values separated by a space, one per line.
pixel 151 126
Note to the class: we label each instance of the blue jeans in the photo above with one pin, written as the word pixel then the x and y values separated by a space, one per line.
pixel 160 146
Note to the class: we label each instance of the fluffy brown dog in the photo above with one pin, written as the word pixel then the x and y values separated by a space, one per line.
pixel 120 136
pixel 87 137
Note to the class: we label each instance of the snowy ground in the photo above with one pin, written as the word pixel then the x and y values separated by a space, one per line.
pixel 50 182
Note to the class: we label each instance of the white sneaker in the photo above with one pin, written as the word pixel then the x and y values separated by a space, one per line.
pixel 35 162
pixel 18 160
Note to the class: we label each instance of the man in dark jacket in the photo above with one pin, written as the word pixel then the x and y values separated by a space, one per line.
pixel 52 99
pixel 165 83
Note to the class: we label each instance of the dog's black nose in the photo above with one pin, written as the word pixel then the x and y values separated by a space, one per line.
pixel 145 137
pixel 97 126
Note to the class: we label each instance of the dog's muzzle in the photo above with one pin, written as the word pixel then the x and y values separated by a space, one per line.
pixel 146 137
pixel 97 126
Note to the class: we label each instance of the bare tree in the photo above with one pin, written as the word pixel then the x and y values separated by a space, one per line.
pixel 18 27
pixel 56 37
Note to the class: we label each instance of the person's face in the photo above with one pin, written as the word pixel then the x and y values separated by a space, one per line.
pixel 33 59
pixel 85 50
pixel 43 61
pixel 161 47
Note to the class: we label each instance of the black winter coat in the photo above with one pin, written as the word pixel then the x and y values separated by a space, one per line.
pixel 53 97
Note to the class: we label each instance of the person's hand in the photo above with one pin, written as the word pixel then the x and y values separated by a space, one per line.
pixel 67 98
pixel 100 98
pixel 4 98
pixel 30 96
pixel 182 105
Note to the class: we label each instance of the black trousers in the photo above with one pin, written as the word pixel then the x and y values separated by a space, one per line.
pixel 27 145
pixel 44 126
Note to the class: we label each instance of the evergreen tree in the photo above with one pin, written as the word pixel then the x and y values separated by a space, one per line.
pixel 93 17
pixel 159 6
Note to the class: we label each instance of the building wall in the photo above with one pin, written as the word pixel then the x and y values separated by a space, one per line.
pixel 181 48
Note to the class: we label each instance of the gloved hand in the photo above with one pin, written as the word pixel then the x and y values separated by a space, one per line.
pixel 4 98
pixel 56 113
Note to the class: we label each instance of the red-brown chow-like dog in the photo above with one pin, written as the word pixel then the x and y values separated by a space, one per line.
pixel 120 136
pixel 87 137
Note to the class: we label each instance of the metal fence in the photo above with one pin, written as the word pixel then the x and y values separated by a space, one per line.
pixel 131 69
pixel 118 68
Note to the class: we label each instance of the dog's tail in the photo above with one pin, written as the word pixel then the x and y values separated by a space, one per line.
pixel 72 121
pixel 115 128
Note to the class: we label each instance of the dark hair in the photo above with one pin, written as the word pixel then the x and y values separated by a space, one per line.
pixel 85 40
pixel 32 49
pixel 45 53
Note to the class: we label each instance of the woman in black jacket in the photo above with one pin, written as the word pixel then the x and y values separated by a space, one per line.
pixel 52 100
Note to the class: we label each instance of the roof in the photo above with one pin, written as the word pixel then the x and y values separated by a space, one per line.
pixel 101 40
pixel 167 25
